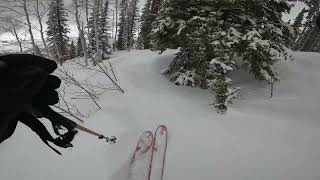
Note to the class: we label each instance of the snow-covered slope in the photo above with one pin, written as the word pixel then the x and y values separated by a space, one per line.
pixel 258 139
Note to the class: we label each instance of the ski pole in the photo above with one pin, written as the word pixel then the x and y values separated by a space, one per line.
pixel 110 140
pixel 57 118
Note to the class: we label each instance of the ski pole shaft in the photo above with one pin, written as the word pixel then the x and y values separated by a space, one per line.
pixel 58 119
pixel 110 140
pixel 89 131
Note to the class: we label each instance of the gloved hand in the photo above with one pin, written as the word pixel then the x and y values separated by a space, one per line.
pixel 27 90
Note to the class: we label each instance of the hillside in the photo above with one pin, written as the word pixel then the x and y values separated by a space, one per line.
pixel 258 139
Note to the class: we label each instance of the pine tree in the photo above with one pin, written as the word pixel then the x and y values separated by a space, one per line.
pixel 309 38
pixel 103 26
pixel 150 13
pixel 57 30
pixel 297 26
pixel 132 18
pixel 123 26
pixel 298 21
pixel 72 51
pixel 79 50
pixel 266 40
pixel 209 37
pixel 144 36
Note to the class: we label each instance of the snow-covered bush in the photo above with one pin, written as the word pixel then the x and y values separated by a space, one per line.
pixel 209 33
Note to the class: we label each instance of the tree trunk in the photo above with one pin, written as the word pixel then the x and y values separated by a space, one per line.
pixel 36 50
pixel 41 28
pixel 88 29
pixel 116 34
pixel 81 34
pixel 15 33
pixel 113 22
pixel 98 53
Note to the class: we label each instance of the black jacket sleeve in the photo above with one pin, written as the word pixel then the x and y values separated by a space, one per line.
pixel 22 77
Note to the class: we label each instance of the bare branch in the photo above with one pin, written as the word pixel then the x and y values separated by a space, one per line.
pixel 70 113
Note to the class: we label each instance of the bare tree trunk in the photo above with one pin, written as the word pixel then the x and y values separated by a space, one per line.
pixel 58 52
pixel 88 29
pixel 272 87
pixel 35 47
pixel 15 33
pixel 81 34
pixel 113 35
pixel 138 26
pixel 98 53
pixel 40 16
pixel 116 34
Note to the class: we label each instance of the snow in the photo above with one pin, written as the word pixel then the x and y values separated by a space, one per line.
pixel 185 79
pixel 258 138
pixel 223 65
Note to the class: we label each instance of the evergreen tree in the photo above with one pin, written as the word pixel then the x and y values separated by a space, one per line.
pixel 133 13
pixel 154 9
pixel 297 26
pixel 144 36
pixel 209 38
pixel 266 40
pixel 79 50
pixel 72 51
pixel 298 21
pixel 150 11
pixel 57 30
pixel 103 27
pixel 123 26
pixel 309 38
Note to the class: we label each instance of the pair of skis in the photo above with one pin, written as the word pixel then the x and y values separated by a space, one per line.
pixel 149 156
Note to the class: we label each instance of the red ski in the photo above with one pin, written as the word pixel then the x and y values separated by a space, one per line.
pixel 140 162
pixel 149 157
pixel 158 153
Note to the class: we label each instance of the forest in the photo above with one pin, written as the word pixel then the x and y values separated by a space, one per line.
pixel 160 89
pixel 213 38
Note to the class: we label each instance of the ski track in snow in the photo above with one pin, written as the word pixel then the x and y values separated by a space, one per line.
pixel 258 139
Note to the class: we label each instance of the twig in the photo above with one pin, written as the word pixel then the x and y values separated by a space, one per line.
pixel 112 70
pixel 111 78
pixel 68 112
pixel 80 86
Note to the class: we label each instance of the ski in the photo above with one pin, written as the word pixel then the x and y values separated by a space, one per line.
pixel 141 159
pixel 159 148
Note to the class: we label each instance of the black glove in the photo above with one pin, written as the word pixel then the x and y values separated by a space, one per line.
pixel 27 90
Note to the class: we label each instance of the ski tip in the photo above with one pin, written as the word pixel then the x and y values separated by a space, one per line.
pixel 162 127
pixel 147 133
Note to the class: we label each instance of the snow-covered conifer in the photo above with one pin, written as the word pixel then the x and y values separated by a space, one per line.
pixel 210 33
pixel 79 49
pixel 132 16
pixel 144 36
pixel 57 30
pixel 309 38
pixel 72 51
pixel 123 26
